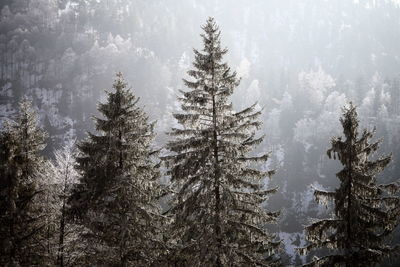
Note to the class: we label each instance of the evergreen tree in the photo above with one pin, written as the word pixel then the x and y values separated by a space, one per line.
pixel 21 226
pixel 217 215
pixel 116 193
pixel 365 212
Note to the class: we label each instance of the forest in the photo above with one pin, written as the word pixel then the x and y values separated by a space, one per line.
pixel 199 133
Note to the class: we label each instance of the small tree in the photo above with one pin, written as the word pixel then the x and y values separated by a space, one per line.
pixel 217 215
pixel 57 181
pixel 365 212
pixel 116 193
pixel 21 226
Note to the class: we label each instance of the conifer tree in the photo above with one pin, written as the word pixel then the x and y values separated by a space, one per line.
pixel 21 226
pixel 115 196
pixel 218 218
pixel 365 212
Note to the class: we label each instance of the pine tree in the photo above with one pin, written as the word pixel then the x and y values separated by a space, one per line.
pixel 116 194
pixel 218 218
pixel 365 212
pixel 21 226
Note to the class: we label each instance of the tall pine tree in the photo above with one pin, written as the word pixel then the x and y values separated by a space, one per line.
pixel 365 212
pixel 218 218
pixel 21 225
pixel 115 197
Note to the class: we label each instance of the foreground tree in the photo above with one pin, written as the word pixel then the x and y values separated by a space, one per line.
pixel 21 226
pixel 116 194
pixel 217 215
pixel 58 179
pixel 366 213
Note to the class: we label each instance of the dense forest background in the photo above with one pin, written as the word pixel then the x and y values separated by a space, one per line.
pixel 301 60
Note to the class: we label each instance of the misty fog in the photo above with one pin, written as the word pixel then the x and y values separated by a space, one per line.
pixel 300 60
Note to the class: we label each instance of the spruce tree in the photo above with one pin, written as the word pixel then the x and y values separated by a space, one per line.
pixel 116 193
pixel 365 212
pixel 21 226
pixel 218 218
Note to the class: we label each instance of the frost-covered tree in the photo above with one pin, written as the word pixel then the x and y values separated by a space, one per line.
pixel 365 212
pixel 21 213
pixel 57 180
pixel 218 218
pixel 118 186
pixel 395 96
pixel 65 175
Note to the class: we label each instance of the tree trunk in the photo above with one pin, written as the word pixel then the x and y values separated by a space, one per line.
pixel 348 243
pixel 62 222
pixel 217 223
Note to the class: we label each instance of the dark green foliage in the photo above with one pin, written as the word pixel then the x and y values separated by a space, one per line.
pixel 115 197
pixel 366 212
pixel 218 218
pixel 21 214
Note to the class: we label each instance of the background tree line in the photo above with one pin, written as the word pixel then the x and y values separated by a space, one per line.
pixel 301 60
pixel 107 205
